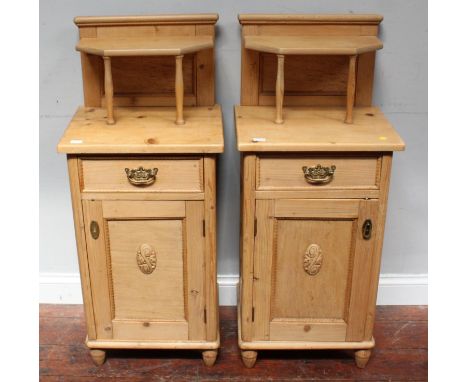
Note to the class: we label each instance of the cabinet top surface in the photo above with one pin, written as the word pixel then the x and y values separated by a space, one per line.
pixel 341 45
pixel 144 130
pixel 314 129
pixel 133 46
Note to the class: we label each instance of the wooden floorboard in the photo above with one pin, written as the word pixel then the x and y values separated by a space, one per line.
pixel 400 354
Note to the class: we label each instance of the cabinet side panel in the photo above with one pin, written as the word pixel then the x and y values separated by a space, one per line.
pixel 73 173
pixel 379 235
pixel 365 79
pixel 248 219
pixel 92 72
pixel 98 269
pixel 195 288
pixel 210 249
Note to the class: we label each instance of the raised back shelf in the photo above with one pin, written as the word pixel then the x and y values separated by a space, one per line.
pixel 330 60
pixel 317 45
pixel 163 60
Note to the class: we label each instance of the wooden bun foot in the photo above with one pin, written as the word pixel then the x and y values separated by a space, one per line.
pixel 249 357
pixel 209 357
pixel 362 357
pixel 98 356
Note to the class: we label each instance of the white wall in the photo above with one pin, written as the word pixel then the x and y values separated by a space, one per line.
pixel 400 90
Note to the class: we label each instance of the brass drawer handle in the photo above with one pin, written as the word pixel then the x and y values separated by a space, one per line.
pixel 318 174
pixel 141 176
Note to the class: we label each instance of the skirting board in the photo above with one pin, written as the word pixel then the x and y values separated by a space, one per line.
pixel 394 289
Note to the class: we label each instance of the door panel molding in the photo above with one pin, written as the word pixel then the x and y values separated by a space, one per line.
pixel 124 226
pixel 283 228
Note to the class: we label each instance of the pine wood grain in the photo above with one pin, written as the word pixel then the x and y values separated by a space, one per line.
pixel 315 129
pixel 144 130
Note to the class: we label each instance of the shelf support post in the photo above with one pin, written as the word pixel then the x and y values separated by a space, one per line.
pixel 179 91
pixel 279 89
pixel 351 89
pixel 109 90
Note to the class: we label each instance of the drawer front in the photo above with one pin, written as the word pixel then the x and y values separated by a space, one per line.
pixel 350 172
pixel 173 175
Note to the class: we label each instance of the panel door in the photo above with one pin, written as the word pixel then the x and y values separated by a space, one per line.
pixel 146 262
pixel 312 268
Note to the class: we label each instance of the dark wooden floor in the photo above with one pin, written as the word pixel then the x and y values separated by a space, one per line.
pixel 400 354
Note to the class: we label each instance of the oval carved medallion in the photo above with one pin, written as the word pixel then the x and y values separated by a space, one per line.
pixel 313 259
pixel 146 258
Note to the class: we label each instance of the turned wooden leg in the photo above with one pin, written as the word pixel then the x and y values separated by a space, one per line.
pixel 98 356
pixel 109 90
pixel 279 89
pixel 351 90
pixel 179 91
pixel 209 357
pixel 362 357
pixel 249 357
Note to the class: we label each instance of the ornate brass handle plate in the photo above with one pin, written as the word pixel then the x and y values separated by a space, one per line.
pixel 141 176
pixel 318 174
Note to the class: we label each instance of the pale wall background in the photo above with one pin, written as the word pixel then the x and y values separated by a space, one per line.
pixel 400 90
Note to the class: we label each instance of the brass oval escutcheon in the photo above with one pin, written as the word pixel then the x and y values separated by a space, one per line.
pixel 94 229
pixel 313 259
pixel 146 258
pixel 367 229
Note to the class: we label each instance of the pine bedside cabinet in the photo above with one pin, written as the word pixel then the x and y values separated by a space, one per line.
pixel 315 180
pixel 142 179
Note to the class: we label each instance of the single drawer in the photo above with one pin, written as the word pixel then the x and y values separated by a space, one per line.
pixel 142 175
pixel 313 172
